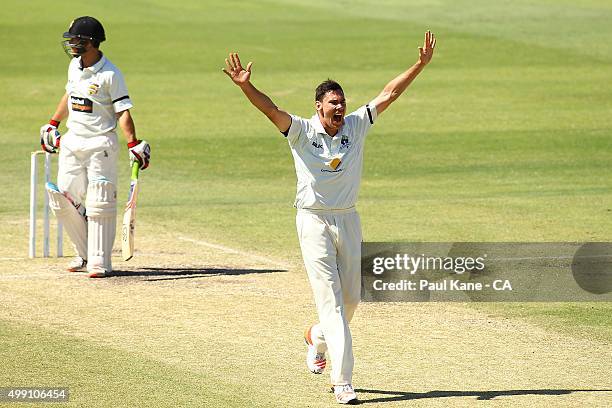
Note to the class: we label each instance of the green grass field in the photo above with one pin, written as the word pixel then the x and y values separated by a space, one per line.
pixel 504 137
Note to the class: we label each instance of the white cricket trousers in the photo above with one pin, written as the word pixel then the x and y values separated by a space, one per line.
pixel 84 158
pixel 87 174
pixel 331 248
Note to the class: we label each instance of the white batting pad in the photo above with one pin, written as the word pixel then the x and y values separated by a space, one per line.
pixel 101 198
pixel 74 223
pixel 101 206
pixel 100 244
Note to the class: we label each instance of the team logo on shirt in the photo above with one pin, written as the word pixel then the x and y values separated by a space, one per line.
pixel 344 142
pixel 93 88
pixel 81 104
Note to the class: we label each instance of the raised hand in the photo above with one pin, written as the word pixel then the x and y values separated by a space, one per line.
pixel 426 51
pixel 235 71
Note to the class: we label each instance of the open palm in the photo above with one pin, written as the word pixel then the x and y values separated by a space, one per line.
pixel 235 71
pixel 426 51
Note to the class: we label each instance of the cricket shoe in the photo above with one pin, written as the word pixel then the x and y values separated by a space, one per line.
pixel 78 264
pixel 97 272
pixel 314 360
pixel 345 394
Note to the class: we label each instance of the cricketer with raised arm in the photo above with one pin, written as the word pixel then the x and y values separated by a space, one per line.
pixel 327 151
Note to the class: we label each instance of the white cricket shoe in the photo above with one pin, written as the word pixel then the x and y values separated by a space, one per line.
pixel 97 272
pixel 345 394
pixel 78 264
pixel 315 361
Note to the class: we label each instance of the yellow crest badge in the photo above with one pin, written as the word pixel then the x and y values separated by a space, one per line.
pixel 334 163
pixel 93 89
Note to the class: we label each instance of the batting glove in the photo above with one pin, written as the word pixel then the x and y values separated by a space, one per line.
pixel 50 137
pixel 140 151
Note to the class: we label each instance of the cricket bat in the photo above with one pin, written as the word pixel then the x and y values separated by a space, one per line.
pixel 129 216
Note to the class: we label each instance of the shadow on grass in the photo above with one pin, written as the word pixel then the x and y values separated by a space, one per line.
pixel 159 274
pixel 391 396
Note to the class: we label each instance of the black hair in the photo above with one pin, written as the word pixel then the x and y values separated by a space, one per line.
pixel 326 86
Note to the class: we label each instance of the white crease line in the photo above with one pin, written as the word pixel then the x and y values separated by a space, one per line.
pixel 12 259
pixel 236 252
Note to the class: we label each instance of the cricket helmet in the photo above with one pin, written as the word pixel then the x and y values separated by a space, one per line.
pixel 84 29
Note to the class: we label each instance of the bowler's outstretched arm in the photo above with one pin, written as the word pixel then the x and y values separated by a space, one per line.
pixel 398 85
pixel 242 77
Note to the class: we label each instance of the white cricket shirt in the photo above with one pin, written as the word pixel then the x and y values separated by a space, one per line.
pixel 95 94
pixel 329 168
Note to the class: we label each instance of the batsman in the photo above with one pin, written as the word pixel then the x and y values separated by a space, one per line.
pixel 95 101
pixel 327 151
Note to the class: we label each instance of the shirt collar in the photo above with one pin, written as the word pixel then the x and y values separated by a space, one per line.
pixel 318 126
pixel 95 67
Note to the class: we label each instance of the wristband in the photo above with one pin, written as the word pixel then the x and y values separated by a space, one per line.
pixel 55 123
pixel 134 143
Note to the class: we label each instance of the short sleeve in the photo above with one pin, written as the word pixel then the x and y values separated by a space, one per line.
pixel 367 114
pixel 119 93
pixel 299 127
pixel 363 118
pixel 371 111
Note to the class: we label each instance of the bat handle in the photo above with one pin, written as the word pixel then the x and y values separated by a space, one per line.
pixel 135 169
